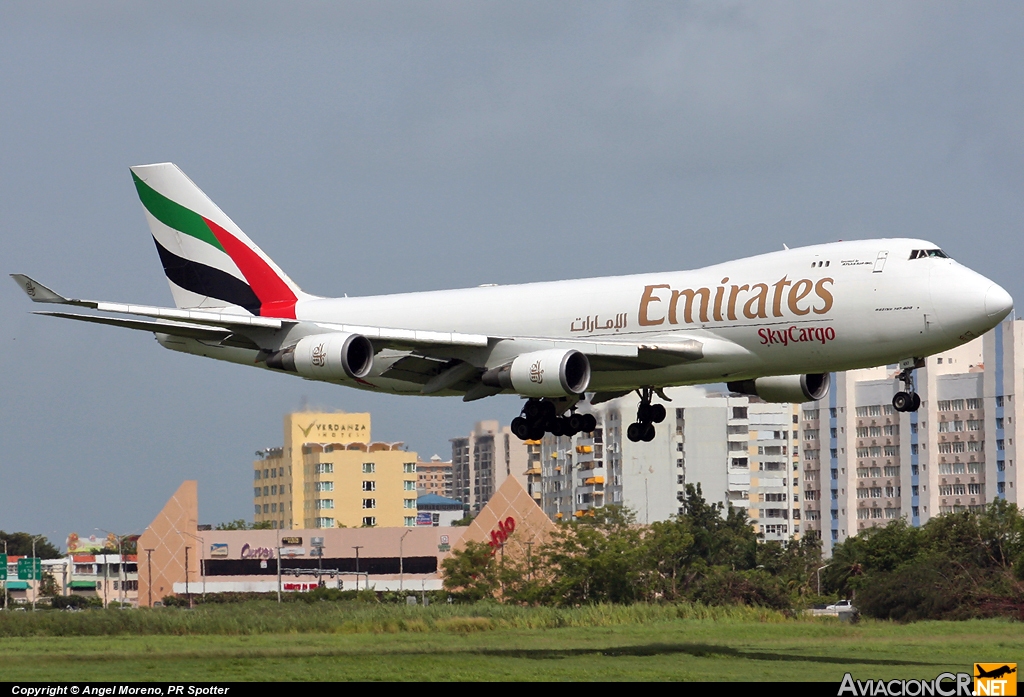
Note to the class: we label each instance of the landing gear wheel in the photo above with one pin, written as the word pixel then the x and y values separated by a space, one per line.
pixel 521 428
pixel 907 399
pixel 576 423
pixel 647 415
pixel 589 423
pixel 558 427
pixel 532 409
pixel 901 401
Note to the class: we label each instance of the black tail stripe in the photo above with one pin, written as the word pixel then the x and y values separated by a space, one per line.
pixel 206 280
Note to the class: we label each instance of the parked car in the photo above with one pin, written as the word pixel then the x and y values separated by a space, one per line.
pixel 842 606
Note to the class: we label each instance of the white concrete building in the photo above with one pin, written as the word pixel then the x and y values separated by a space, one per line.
pixel 740 451
pixel 865 464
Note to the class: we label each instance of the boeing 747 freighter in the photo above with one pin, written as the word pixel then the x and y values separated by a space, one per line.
pixel 774 325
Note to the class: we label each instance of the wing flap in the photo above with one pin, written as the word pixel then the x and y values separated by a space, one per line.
pixel 191 331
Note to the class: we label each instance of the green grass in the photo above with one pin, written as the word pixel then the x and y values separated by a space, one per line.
pixel 327 641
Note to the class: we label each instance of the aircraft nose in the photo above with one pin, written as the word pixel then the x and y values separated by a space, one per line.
pixel 998 302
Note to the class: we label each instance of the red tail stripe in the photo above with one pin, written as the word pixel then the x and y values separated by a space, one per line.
pixel 276 298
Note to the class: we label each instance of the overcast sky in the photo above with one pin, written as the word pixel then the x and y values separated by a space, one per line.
pixel 378 147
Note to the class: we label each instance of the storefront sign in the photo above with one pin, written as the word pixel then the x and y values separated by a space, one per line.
pixel 256 552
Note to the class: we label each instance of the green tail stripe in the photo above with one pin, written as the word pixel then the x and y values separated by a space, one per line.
pixel 174 214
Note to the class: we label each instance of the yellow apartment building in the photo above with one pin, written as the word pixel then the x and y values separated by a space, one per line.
pixel 329 474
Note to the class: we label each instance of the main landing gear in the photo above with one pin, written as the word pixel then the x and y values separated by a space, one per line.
pixel 647 415
pixel 907 399
pixel 540 416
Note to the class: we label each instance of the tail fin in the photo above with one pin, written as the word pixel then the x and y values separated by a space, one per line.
pixel 208 260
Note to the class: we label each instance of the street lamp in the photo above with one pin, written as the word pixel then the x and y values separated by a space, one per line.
pixel 401 562
pixel 120 568
pixel 819 575
pixel 35 587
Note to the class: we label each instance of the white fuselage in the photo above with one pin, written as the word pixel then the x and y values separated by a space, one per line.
pixel 815 309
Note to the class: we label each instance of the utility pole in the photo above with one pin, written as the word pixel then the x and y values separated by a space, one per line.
pixel 149 570
pixel 529 558
pixel 5 574
pixel 202 558
pixel 186 579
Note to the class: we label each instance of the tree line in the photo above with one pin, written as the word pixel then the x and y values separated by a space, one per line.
pixel 958 565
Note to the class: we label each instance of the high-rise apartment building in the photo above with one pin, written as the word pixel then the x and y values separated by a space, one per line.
pixel 740 450
pixel 329 474
pixel 434 477
pixel 483 461
pixel 865 464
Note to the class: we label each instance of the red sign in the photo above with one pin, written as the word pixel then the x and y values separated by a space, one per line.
pixel 505 528
pixel 298 586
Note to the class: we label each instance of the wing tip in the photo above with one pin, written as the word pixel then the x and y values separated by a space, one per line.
pixel 36 291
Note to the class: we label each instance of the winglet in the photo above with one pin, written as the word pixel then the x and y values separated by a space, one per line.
pixel 37 291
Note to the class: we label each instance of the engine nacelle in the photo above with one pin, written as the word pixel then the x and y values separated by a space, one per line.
pixel 326 357
pixel 550 373
pixel 792 389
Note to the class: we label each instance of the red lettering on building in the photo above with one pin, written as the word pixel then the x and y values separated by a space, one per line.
pixel 498 536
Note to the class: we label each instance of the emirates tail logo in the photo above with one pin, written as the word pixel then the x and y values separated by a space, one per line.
pixel 319 356
pixel 30 288
pixel 536 373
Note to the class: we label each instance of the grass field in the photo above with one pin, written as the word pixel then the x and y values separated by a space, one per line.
pixel 262 641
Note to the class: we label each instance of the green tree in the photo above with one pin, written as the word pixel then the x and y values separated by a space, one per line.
pixel 470 572
pixel 20 544
pixel 464 521
pixel 242 524
pixel 596 559
pixel 48 586
pixel 668 551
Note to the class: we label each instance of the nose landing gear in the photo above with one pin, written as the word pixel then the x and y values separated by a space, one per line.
pixel 540 416
pixel 647 415
pixel 908 399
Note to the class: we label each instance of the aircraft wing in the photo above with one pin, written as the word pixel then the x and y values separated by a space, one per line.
pixel 381 336
pixel 436 360
pixel 218 335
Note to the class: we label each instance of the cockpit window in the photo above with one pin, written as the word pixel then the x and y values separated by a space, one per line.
pixel 922 253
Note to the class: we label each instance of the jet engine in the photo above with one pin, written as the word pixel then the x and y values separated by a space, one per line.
pixel 550 373
pixel 326 357
pixel 794 389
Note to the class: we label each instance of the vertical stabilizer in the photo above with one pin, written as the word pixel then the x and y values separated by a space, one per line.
pixel 208 260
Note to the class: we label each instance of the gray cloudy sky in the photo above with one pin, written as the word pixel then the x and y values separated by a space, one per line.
pixel 381 147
